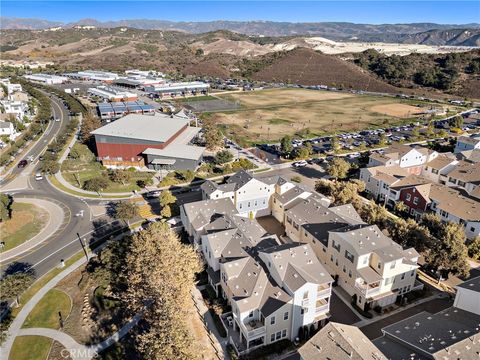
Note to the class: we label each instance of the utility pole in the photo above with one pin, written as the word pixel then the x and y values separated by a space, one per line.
pixel 83 246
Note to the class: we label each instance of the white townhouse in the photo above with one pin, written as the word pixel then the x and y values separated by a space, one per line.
pixel 468 296
pixel 17 108
pixel 437 169
pixel 274 291
pixel 250 196
pixel 403 156
pixel 378 179
pixel 7 129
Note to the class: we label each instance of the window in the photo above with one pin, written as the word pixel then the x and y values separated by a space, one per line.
pixel 272 337
pixel 435 171
pixel 302 311
pixel 335 245
pixel 392 265
pixel 325 250
pixel 331 258
pixel 256 203
pixel 248 204
pixel 285 316
pixel 388 281
pixel 241 206
pixel 408 197
pixel 274 200
pixel 412 273
pixel 365 260
pixel 336 262
pixel 415 200
pixel 344 269
pixel 295 225
pixel 272 320
pixel 251 314
pixel 284 333
pixel 289 220
pixel 305 295
pixel 472 229
pixel 349 256
pixel 403 276
pixel 379 265
pixel 279 335
pixel 349 273
pixel 461 183
pixel 452 180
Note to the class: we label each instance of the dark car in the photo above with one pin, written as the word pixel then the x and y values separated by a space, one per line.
pixel 22 163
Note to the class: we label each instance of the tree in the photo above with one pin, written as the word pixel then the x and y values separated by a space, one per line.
pixel 457 121
pixel 286 146
pixel 400 207
pixel 382 139
pixel 96 184
pixel 302 153
pixel 474 248
pixel 49 167
pixel 213 136
pixel 90 122
pixel 335 143
pixel 166 211
pixel 338 168
pixel 449 253
pixel 167 198
pixel 11 286
pixel 119 176
pixel 223 156
pixel 6 202
pixel 126 211
pixel 161 274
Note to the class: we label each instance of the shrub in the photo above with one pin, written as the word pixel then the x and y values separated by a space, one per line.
pixel 296 179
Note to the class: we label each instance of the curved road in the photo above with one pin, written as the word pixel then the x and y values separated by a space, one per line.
pixel 64 242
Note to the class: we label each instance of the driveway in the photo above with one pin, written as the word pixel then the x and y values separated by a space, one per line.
pixel 373 330
pixel 340 312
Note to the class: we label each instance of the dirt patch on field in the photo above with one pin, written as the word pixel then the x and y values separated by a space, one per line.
pixel 397 110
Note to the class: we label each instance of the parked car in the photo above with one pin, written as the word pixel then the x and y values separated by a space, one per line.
pixel 22 163
pixel 301 163
pixel 153 194
pixel 38 176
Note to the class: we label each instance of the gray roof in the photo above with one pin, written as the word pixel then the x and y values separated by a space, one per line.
pixel 340 342
pixel 394 350
pixel 177 151
pixel 239 179
pixel 297 265
pixel 205 211
pixel 447 334
pixel 210 186
pixel 472 284
pixel 290 195
pixel 5 124
pixel 157 127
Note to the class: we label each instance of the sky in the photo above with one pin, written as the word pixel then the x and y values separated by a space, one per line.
pixel 372 12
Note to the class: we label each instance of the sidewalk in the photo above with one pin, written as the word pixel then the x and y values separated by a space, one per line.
pixel 55 221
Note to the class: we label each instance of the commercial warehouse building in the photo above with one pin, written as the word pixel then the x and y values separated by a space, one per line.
pixel 111 94
pixel 181 88
pixel 91 75
pixel 155 141
pixel 115 110
pixel 47 78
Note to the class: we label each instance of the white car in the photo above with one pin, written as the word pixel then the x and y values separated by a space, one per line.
pixel 57 119
pixel 38 176
pixel 301 163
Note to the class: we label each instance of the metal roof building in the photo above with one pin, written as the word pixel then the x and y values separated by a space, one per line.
pixel 155 141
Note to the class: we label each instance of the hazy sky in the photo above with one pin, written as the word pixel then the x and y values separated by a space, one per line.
pixel 375 12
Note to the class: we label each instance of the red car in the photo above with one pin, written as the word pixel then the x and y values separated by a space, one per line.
pixel 22 163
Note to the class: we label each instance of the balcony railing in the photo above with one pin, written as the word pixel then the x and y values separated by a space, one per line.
pixel 368 290
pixel 253 328
pixel 322 309
pixel 324 293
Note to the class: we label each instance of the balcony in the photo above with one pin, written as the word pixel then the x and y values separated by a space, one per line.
pixel 322 306
pixel 254 328
pixel 368 290
pixel 323 292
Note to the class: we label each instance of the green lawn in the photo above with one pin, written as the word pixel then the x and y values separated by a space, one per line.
pixel 26 222
pixel 53 180
pixel 46 312
pixel 30 348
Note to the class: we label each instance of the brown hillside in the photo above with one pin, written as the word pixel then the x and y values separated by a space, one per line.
pixel 307 67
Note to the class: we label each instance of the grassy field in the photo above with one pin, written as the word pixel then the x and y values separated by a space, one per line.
pixel 46 312
pixel 267 115
pixel 27 221
pixel 85 167
pixel 30 348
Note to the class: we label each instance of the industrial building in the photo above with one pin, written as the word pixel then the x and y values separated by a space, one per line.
pixel 91 75
pixel 115 110
pixel 157 141
pixel 182 88
pixel 112 94
pixel 47 78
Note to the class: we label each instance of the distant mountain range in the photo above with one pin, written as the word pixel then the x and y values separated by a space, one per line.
pixel 416 33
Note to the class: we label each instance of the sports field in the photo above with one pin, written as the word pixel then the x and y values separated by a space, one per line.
pixel 267 115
